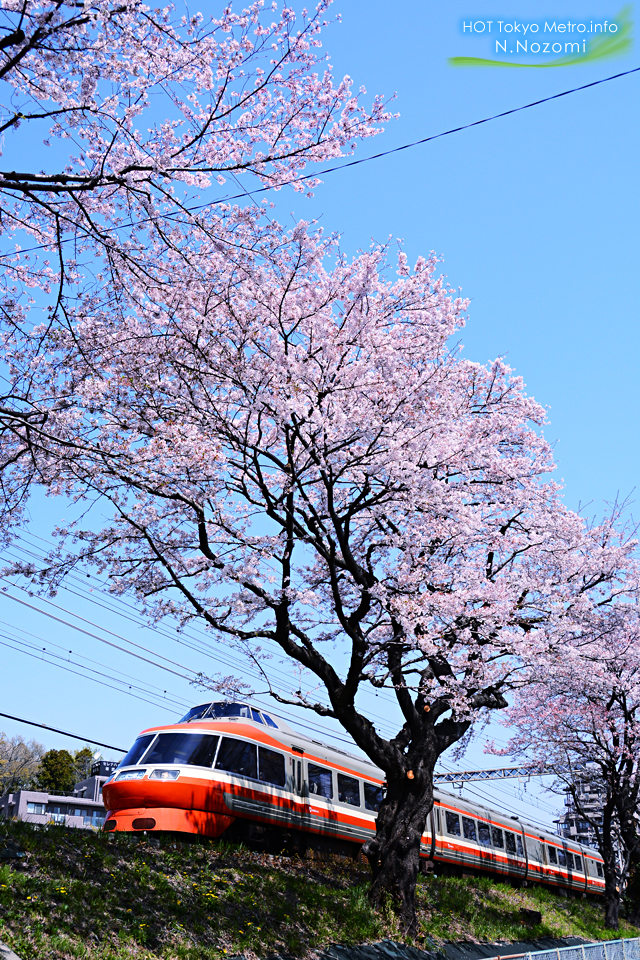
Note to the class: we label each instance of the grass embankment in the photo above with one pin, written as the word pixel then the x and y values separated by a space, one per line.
pixel 110 897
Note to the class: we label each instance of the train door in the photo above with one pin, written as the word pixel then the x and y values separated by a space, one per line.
pixel 515 854
pixel 428 839
pixel 485 845
pixel 300 800
pixel 498 852
pixel 452 852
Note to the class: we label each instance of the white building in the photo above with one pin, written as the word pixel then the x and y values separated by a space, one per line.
pixel 81 808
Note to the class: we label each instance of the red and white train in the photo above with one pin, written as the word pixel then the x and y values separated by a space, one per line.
pixel 229 768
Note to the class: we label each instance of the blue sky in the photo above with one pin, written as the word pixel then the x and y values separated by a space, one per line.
pixel 536 218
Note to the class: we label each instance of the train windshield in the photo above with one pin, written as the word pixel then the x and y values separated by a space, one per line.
pixel 194 749
pixel 196 713
pixel 136 751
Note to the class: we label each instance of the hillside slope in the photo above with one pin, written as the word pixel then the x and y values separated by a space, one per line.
pixel 77 894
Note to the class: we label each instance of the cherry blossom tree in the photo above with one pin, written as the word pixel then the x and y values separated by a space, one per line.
pixel 582 715
pixel 147 116
pixel 291 452
pixel 143 118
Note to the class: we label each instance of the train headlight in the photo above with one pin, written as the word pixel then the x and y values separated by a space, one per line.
pixel 164 775
pixel 131 775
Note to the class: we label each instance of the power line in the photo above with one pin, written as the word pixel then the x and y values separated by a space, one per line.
pixel 119 601
pixel 354 163
pixel 417 143
pixel 65 663
pixel 78 673
pixel 65 733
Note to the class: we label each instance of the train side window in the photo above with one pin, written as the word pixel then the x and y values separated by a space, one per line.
pixel 552 855
pixel 599 869
pixel 193 749
pixel 137 751
pixel 271 767
pixel 519 847
pixel 320 781
pixel 484 834
pixel 496 836
pixel 562 860
pixel 237 756
pixel 348 790
pixel 510 842
pixel 469 829
pixel 578 863
pixel 453 823
pixel 373 796
pixel 569 857
pixel 255 715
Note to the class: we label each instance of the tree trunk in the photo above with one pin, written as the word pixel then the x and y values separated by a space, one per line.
pixel 633 904
pixel 394 852
pixel 611 908
pixel 632 892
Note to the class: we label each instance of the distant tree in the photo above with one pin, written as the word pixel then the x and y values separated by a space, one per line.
pixel 582 715
pixel 83 759
pixel 57 773
pixel 19 763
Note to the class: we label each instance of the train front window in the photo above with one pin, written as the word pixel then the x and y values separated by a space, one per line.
pixel 469 829
pixel 373 796
pixel 237 756
pixel 219 710
pixel 271 767
pixel 348 790
pixel 137 751
pixel 193 749
pixel 196 713
pixel 453 823
pixel 320 781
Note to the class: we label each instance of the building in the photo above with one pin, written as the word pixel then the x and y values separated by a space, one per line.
pixel 83 807
pixel 574 825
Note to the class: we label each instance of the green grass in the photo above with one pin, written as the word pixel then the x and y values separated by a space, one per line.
pixel 78 894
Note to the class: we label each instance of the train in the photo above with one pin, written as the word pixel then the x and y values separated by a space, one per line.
pixel 234 770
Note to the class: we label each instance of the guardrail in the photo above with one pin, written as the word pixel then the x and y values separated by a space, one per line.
pixel 605 950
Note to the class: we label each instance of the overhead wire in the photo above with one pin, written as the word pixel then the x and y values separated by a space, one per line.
pixel 140 621
pixel 78 655
pixel 65 733
pixel 58 659
pixel 352 163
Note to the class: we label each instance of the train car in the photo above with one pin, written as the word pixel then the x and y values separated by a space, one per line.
pixel 233 769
